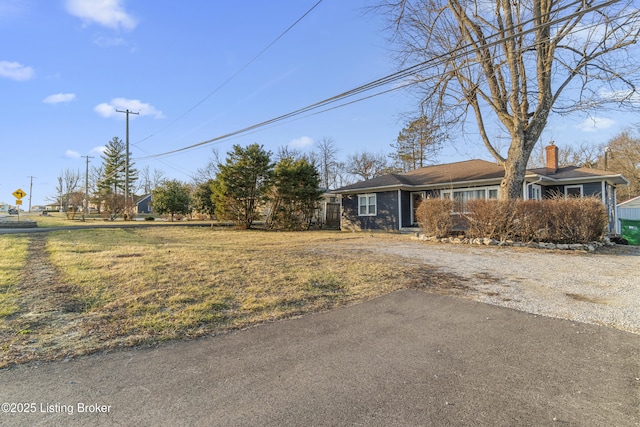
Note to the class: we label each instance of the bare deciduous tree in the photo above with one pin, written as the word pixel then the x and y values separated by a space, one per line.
pixel 208 172
pixel 624 157
pixel 418 143
pixel 327 160
pixel 516 62
pixel 68 183
pixel 585 155
pixel 367 165
pixel 150 180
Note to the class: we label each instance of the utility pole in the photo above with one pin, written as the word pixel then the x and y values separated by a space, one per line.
pixel 126 163
pixel 86 186
pixel 30 190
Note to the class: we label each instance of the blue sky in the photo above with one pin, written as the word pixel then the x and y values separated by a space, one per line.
pixel 67 65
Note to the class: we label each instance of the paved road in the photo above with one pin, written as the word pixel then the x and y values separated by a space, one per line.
pixel 408 358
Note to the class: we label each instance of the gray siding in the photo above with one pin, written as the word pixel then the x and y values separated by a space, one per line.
pixel 592 189
pixel 386 217
pixel 406 208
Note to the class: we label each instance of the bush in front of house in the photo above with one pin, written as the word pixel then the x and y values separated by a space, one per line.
pixel 575 220
pixel 556 220
pixel 495 219
pixel 434 217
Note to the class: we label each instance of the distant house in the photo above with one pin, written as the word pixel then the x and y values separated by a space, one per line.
pixel 144 204
pixel 53 207
pixel 389 202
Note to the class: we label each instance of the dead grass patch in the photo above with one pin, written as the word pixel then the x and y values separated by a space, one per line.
pixel 14 257
pixel 101 289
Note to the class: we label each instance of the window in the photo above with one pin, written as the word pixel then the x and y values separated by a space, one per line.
pixel 573 191
pixel 462 196
pixel 366 204
pixel 534 192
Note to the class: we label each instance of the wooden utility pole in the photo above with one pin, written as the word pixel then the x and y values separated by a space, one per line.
pixel 86 186
pixel 126 163
pixel 30 190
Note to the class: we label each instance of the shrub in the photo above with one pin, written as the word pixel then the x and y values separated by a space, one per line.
pixel 492 218
pixel 556 220
pixel 434 217
pixel 575 220
pixel 532 221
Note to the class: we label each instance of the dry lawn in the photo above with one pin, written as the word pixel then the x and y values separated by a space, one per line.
pixel 68 293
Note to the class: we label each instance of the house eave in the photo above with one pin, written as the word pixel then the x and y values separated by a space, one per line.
pixel 548 180
pixel 418 187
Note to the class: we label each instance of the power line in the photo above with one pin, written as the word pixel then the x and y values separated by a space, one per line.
pixel 391 78
pixel 234 75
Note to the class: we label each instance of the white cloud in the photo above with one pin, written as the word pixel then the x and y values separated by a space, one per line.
pixel 302 142
pixel 59 98
pixel 15 71
pixel 593 124
pixel 108 13
pixel 123 104
pixel 99 150
pixel 72 154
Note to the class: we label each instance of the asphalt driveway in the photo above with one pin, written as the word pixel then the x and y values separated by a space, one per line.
pixel 408 358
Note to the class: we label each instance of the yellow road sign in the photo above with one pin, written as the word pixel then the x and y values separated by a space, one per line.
pixel 18 202
pixel 19 194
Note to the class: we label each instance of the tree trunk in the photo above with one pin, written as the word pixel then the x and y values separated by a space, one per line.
pixel 515 168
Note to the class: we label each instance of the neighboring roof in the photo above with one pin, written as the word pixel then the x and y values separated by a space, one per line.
pixel 143 198
pixel 635 202
pixel 474 173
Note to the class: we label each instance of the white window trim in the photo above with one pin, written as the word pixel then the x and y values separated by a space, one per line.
pixel 487 189
pixel 375 204
pixel 580 186
pixel 534 187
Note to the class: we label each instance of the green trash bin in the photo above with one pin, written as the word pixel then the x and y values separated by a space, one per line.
pixel 631 231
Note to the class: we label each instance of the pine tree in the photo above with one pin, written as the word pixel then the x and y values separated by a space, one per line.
pixel 113 177
pixel 418 143
pixel 241 184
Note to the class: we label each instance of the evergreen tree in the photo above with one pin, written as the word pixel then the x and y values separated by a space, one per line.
pixel 295 194
pixel 202 199
pixel 172 197
pixel 418 142
pixel 241 184
pixel 113 177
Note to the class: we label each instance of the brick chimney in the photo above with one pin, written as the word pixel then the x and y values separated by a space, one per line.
pixel 552 157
